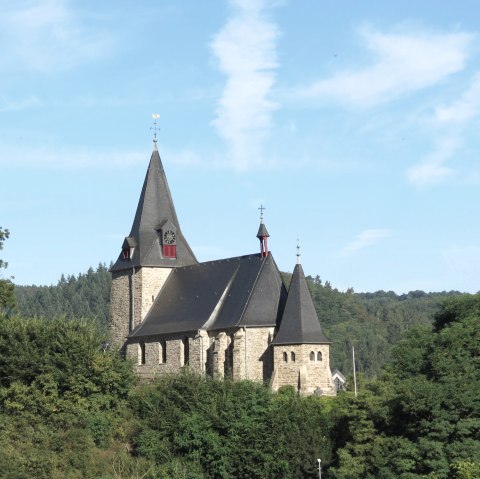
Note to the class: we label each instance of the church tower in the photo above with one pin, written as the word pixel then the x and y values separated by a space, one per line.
pixel 154 247
pixel 301 351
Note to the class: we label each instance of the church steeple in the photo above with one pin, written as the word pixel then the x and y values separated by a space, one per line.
pixel 299 324
pixel 155 239
pixel 263 235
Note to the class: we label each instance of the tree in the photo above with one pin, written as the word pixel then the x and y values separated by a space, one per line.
pixel 421 419
pixel 7 288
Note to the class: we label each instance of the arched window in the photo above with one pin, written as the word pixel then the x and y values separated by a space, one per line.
pixel 292 356
pixel 186 351
pixel 285 357
pixel 162 351
pixel 141 353
pixel 319 356
pixel 312 356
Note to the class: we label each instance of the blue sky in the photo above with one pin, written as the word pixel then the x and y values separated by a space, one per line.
pixel 355 123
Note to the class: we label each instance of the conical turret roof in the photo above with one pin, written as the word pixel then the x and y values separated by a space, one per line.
pixel 262 231
pixel 299 323
pixel 155 209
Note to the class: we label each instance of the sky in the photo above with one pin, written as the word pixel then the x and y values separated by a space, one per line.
pixel 356 125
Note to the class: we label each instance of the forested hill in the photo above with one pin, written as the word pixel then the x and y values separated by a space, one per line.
pixel 372 322
pixel 83 296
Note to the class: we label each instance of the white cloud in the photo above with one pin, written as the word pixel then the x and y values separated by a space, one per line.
pixel 78 158
pixel 463 109
pixel 183 157
pixel 365 239
pixel 18 156
pixel 24 103
pixel 432 170
pixel 246 52
pixel 45 36
pixel 405 63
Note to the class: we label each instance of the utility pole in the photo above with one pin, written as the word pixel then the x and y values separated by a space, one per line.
pixel 354 371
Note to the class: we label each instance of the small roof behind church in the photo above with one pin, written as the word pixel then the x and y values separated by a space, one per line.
pixel 235 292
pixel 155 209
pixel 299 323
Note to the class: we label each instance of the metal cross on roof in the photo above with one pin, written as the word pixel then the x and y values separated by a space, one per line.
pixel 298 251
pixel 155 117
pixel 261 211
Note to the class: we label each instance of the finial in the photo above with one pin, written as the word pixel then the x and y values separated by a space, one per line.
pixel 261 212
pixel 155 117
pixel 298 251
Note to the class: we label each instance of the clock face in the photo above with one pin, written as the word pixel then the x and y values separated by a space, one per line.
pixel 169 237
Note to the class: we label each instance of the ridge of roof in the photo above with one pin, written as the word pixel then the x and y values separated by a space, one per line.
pixel 299 323
pixel 155 207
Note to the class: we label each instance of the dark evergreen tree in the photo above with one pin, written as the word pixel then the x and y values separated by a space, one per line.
pixel 83 296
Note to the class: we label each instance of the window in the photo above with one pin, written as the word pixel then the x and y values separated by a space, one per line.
pixel 186 351
pixel 162 352
pixel 319 356
pixel 292 356
pixel 285 357
pixel 128 247
pixel 141 353
pixel 312 356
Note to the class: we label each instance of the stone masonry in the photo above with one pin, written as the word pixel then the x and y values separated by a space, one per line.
pixel 307 366
pixel 130 303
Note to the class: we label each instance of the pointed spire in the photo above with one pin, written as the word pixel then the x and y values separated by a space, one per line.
pixel 299 324
pixel 155 212
pixel 262 235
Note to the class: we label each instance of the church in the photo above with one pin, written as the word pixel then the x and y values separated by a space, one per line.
pixel 228 318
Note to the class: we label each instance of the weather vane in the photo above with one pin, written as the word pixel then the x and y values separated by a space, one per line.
pixel 155 117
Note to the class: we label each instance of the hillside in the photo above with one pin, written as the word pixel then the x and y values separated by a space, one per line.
pixel 372 322
pixel 69 409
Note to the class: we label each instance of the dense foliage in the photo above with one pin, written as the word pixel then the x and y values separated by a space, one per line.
pixel 224 429
pixel 83 296
pixel 61 398
pixel 422 419
pixel 372 322
pixel 7 296
pixel 70 410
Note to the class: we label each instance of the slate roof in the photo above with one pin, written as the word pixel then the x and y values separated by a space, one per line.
pixel 235 292
pixel 299 323
pixel 262 231
pixel 155 208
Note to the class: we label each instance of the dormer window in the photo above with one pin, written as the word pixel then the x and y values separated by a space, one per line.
pixel 128 248
pixel 127 253
pixel 167 233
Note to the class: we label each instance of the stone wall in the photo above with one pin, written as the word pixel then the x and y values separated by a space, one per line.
pixel 181 351
pixel 147 283
pixel 305 366
pixel 257 357
pixel 237 354
pixel 150 281
pixel 120 308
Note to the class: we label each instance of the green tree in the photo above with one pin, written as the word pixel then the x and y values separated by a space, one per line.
pixel 231 429
pixel 421 420
pixel 7 288
pixel 61 399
